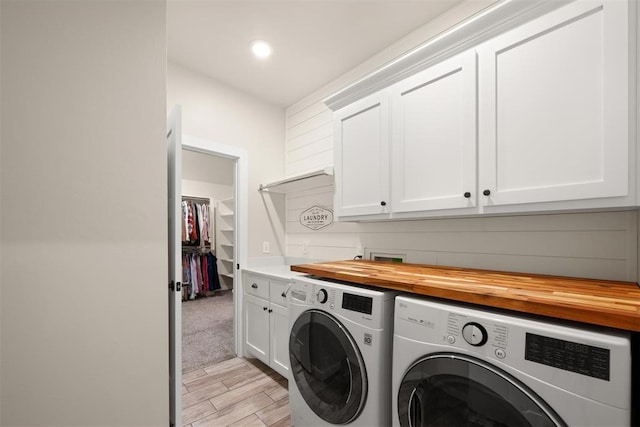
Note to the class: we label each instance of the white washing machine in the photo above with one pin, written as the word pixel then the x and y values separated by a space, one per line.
pixel 340 353
pixel 458 365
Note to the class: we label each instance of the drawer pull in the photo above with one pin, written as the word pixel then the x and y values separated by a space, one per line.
pixel 254 286
pixel 264 308
pixel 270 310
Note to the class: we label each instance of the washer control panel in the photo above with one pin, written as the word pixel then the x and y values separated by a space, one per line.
pixel 478 334
pixel 366 306
pixel 458 329
pixel 359 303
pixel 322 296
pixel 474 333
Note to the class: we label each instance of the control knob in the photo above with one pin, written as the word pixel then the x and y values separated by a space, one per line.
pixel 474 333
pixel 322 296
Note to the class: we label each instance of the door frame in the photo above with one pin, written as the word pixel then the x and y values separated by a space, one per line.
pixel 240 196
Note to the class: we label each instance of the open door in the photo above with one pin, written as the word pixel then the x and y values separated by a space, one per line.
pixel 174 187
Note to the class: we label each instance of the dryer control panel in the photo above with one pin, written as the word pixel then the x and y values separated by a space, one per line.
pixel 568 355
pixel 586 361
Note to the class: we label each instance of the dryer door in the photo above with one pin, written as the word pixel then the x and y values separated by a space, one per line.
pixel 449 389
pixel 327 367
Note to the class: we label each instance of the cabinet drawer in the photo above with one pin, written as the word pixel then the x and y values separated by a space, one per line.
pixel 258 286
pixel 276 289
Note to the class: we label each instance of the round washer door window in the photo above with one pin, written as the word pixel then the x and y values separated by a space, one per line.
pixel 449 389
pixel 327 367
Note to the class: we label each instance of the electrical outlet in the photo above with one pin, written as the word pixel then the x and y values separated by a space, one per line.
pixel 265 247
pixel 305 247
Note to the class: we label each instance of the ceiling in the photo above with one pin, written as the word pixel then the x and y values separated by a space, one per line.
pixel 314 41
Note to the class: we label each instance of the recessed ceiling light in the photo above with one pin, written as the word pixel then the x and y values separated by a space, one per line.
pixel 261 49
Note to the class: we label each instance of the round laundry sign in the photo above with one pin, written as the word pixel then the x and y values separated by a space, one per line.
pixel 316 217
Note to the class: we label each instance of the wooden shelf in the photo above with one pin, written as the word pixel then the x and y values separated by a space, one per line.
pixel 597 302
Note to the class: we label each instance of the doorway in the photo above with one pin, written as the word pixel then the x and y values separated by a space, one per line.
pixel 208 259
pixel 175 144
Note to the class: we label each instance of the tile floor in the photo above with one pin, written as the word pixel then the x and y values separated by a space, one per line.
pixel 236 392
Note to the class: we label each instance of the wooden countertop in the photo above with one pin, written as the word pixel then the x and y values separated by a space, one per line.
pixel 598 302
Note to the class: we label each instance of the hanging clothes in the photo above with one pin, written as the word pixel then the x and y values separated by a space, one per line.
pixel 212 265
pixel 196 223
pixel 199 268
pixel 184 221
pixel 201 273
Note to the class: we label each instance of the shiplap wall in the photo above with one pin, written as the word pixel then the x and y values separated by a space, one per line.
pixel 309 139
pixel 599 245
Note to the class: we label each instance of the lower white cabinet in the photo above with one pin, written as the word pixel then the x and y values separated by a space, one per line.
pixel 279 334
pixel 266 321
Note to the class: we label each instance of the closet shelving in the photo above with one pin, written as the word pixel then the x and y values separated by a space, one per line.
pixel 225 234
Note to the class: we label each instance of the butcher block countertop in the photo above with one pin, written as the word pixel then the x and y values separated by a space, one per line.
pixel 598 302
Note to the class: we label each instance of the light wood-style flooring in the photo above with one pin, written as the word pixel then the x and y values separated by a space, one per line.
pixel 236 392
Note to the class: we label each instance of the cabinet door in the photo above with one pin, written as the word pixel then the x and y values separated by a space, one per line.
pixel 256 323
pixel 361 134
pixel 279 329
pixel 554 107
pixel 433 142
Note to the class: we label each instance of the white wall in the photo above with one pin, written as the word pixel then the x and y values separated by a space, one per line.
pixel 83 224
pixel 597 245
pixel 202 167
pixel 206 189
pixel 213 111
pixel 309 127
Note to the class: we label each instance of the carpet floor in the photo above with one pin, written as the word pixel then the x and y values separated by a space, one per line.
pixel 207 331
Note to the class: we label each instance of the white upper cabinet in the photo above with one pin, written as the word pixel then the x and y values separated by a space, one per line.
pixel 554 107
pixel 541 116
pixel 361 132
pixel 433 142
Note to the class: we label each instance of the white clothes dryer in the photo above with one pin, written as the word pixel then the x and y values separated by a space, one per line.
pixel 462 365
pixel 340 353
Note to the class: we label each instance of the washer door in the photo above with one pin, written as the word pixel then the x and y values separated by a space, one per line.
pixel 449 389
pixel 327 367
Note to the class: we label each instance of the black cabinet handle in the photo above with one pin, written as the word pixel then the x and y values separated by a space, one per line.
pixel 486 192
pixel 270 310
pixel 383 203
pixel 254 286
pixel 264 308
pixel 467 195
